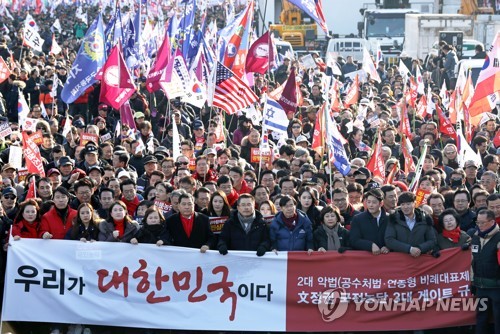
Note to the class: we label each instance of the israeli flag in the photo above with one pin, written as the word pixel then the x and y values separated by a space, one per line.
pixel 275 117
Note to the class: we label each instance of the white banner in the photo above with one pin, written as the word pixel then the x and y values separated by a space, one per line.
pixel 144 286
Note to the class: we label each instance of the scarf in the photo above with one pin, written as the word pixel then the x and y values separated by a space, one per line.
pixel 333 237
pixel 131 205
pixel 187 224
pixel 290 222
pixel 453 235
pixel 120 227
pixel 154 229
pixel 63 213
pixel 484 235
pixel 246 222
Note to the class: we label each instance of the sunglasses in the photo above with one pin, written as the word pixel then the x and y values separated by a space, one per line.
pixel 183 163
pixel 12 197
pixel 250 180
pixel 296 127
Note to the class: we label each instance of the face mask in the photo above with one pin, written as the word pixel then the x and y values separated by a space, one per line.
pixel 361 181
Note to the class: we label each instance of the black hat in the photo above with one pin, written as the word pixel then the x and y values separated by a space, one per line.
pixel 363 171
pixel 98 168
pixel 198 124
pixel 91 149
pixel 149 159
pixel 63 161
pixel 79 124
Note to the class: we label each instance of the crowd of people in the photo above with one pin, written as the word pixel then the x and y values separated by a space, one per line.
pixel 127 187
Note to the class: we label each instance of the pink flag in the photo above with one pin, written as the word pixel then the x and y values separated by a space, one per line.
pixel 260 55
pixel 288 99
pixel 162 58
pixel 116 85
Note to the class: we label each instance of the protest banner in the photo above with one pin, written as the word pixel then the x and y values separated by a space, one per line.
pixel 289 291
pixel 5 129
pixel 163 206
pixel 21 174
pixel 32 156
pixel 257 155
pixel 37 138
pixel 16 156
pixel 421 197
pixel 88 137
pixel 217 223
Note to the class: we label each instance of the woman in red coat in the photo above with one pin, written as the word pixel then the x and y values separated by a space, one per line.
pixel 27 222
pixel 59 219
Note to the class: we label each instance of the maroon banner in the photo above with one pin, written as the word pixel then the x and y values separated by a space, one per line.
pixel 357 291
pixel 288 98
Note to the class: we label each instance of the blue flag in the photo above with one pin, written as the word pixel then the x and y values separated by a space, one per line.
pixel 337 151
pixel 108 33
pixel 314 9
pixel 130 50
pixel 88 62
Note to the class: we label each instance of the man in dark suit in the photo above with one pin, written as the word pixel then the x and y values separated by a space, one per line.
pixel 189 228
pixel 368 227
pixel 245 229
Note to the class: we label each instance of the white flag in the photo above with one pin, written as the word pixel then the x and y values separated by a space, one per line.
pixel 22 109
pixel 176 143
pixel 369 66
pixel 32 38
pixel 465 152
pixel 403 70
pixel 420 82
pixel 55 48
pixel 57 25
pixel 67 126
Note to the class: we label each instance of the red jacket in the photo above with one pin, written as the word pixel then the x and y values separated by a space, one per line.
pixel 245 189
pixel 232 197
pixel 25 229
pixel 210 176
pixel 53 223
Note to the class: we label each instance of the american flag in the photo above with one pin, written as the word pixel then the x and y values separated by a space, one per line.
pixel 231 93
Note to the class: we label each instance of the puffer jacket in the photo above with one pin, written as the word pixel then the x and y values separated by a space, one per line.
pixel 235 238
pixel 56 225
pixel 299 239
pixel 399 238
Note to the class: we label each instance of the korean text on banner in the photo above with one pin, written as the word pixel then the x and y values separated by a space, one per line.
pixel 213 292
pixel 395 294
pixel 146 282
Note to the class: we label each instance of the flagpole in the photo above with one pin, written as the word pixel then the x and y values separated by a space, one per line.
pixel 326 115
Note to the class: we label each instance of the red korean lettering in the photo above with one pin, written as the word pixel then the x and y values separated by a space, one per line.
pixel 144 284
pixel 116 280
pixel 181 280
pixel 199 279
pixel 159 280
pixel 224 285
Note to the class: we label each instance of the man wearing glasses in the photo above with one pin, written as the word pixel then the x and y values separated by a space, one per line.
pixel 485 246
pixel 461 203
pixel 347 211
pixel 9 204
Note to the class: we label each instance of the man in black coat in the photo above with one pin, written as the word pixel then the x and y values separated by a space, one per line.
pixel 189 228
pixel 245 229
pixel 368 228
